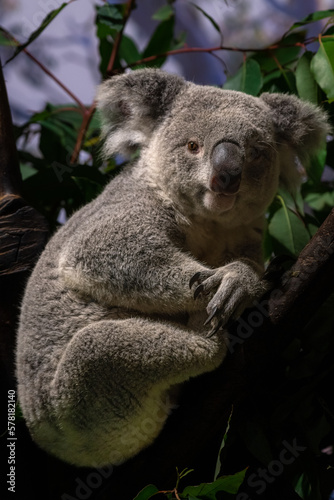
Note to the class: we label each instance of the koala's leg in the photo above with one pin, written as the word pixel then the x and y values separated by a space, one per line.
pixel 109 397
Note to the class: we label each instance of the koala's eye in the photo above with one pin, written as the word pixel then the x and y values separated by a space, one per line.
pixel 193 146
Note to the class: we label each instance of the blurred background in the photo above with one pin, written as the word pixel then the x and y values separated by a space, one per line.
pixel 68 47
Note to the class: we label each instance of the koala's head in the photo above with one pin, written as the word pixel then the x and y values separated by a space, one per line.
pixel 216 153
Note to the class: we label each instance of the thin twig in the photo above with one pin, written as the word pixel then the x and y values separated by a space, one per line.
pixel 55 79
pixel 47 71
pixel 209 50
pixel 118 38
pixel 82 133
pixel 88 115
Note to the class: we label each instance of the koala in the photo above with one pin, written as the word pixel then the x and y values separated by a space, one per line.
pixel 130 297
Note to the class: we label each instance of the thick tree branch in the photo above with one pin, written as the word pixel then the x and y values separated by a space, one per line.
pixel 10 177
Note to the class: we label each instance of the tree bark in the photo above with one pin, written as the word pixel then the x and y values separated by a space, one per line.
pixel 23 233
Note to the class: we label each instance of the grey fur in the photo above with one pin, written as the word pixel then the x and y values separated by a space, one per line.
pixel 109 323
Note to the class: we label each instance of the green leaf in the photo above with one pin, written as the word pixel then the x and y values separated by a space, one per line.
pixel 285 54
pixel 218 464
pixel 320 201
pixel 288 229
pixel 248 79
pixel 105 48
pixel 312 18
pixel 164 13
pixel 6 38
pixel 147 492
pixel 322 67
pixel 128 50
pixel 208 491
pixel 180 41
pixel 90 189
pixel 160 42
pixel 45 23
pixel 212 21
pixel 109 22
pixel 316 167
pixel 303 487
pixel 306 85
pixel 27 171
pixel 110 15
pixel 294 203
pixel 72 115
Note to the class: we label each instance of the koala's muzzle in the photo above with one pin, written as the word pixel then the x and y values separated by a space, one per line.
pixel 226 161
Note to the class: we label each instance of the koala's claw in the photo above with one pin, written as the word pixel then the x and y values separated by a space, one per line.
pixel 194 279
pixel 198 290
pixel 218 322
pixel 211 316
pixel 215 329
pixel 200 277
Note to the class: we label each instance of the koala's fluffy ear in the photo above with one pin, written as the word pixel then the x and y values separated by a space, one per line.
pixel 301 131
pixel 132 105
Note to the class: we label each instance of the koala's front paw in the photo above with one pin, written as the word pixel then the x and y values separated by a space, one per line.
pixel 230 289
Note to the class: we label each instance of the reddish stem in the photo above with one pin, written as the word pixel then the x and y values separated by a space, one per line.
pixel 209 50
pixel 89 114
pixel 48 72
pixel 54 78
pixel 118 38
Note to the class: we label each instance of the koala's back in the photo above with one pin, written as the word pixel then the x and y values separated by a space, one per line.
pixel 91 372
pixel 52 312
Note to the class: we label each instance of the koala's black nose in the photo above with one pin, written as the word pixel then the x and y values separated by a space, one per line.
pixel 226 163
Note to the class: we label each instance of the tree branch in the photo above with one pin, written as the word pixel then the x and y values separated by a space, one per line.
pixel 10 177
pixel 209 50
pixel 111 63
pixel 110 68
pixel 47 71
pixel 82 133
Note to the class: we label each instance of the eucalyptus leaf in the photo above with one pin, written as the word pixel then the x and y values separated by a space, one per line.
pixel 212 21
pixel 306 84
pixel 286 53
pixel 160 42
pixel 228 484
pixel 128 50
pixel 6 38
pixel 312 18
pixel 111 15
pixel 320 201
pixel 293 202
pixel 27 170
pixel 322 67
pixel 223 443
pixel 90 189
pixel 148 492
pixel 164 13
pixel 288 229
pixel 248 79
pixel 316 166
pixel 45 23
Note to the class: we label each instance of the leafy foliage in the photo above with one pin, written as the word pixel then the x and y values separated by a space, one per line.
pixel 67 172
